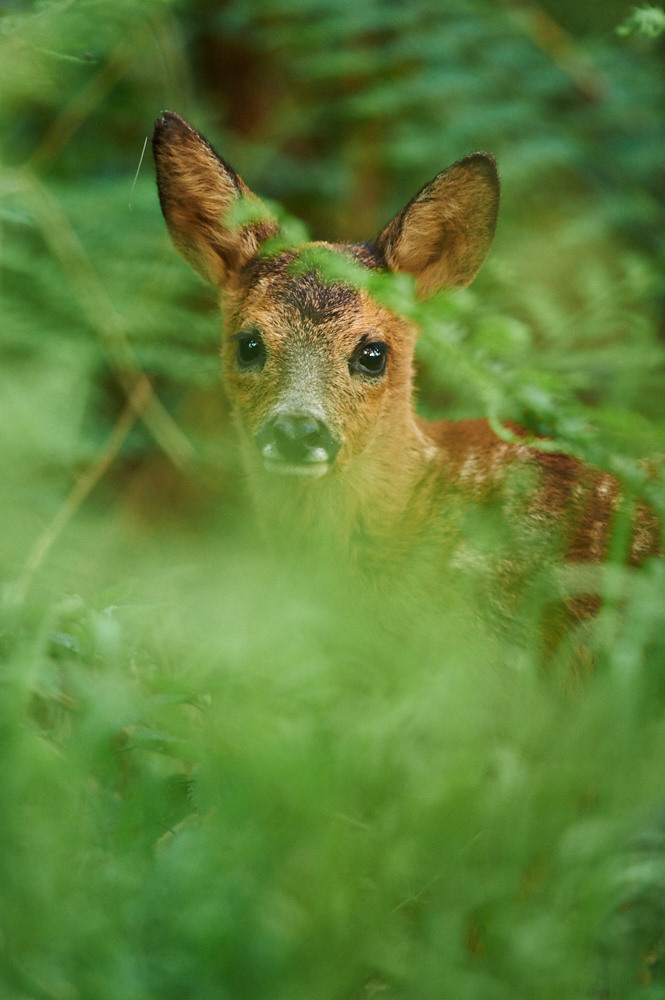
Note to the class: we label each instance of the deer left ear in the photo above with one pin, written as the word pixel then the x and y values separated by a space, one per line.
pixel 197 192
pixel 444 234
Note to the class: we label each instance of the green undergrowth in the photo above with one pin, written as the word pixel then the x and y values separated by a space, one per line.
pixel 223 780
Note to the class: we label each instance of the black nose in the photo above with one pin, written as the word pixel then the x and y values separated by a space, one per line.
pixel 297 438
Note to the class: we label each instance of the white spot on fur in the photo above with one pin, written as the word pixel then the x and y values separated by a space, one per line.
pixel 471 470
pixel 605 486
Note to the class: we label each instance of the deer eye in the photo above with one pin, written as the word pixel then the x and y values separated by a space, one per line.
pixel 251 352
pixel 370 358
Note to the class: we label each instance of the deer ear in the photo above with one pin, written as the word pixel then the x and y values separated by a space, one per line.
pixel 197 191
pixel 445 232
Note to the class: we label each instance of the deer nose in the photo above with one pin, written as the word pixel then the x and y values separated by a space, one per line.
pixel 299 440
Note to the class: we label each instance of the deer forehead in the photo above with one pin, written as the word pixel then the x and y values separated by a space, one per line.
pixel 296 313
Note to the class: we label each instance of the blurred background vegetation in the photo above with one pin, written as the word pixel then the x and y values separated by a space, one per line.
pixel 211 786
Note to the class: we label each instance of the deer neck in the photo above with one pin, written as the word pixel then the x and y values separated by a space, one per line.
pixel 374 501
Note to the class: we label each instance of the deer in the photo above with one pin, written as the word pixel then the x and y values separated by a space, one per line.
pixel 320 380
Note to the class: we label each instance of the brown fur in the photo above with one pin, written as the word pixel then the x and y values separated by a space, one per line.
pixel 400 493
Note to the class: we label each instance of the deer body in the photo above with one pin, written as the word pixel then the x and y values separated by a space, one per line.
pixel 320 377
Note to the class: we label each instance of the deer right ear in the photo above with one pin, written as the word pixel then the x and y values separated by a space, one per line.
pixel 444 234
pixel 197 191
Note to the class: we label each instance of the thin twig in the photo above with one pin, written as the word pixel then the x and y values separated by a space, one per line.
pixel 138 170
pixel 99 310
pixel 82 488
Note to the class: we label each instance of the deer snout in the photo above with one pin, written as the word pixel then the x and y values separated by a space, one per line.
pixel 297 443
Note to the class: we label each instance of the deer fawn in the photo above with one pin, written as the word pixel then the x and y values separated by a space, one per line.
pixel 319 377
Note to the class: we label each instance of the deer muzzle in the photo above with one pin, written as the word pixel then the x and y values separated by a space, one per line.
pixel 297 443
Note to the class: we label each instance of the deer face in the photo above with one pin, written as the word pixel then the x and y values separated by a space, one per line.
pixel 318 374
pixel 312 369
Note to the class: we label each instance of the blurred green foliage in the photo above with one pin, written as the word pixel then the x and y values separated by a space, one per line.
pixel 217 779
